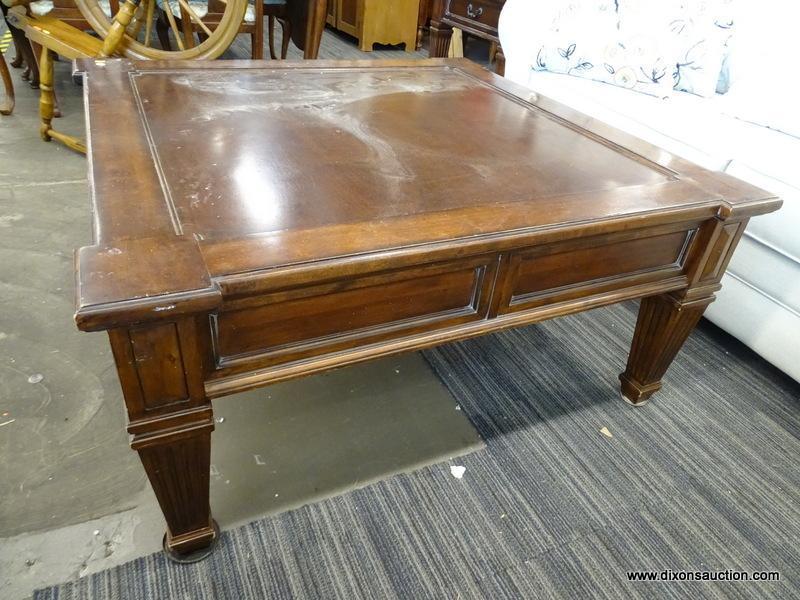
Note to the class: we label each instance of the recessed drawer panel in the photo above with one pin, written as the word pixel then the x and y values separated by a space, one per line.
pixel 325 318
pixel 563 271
pixel 481 14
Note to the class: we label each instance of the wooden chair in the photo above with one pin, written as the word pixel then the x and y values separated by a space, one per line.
pixel 210 12
pixel 66 11
pixel 277 10
pixel 200 16
pixel 56 37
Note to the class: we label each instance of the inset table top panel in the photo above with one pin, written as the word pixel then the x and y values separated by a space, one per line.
pixel 258 166
pixel 253 151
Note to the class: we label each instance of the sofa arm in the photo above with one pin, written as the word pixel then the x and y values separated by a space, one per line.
pixel 521 29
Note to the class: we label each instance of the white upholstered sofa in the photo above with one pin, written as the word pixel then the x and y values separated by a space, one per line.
pixel 760 299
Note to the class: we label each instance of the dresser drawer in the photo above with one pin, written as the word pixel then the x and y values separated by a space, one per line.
pixel 482 15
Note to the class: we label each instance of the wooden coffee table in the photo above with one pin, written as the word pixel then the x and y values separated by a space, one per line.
pixel 259 221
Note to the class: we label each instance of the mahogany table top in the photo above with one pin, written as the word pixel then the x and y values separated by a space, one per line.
pixel 275 168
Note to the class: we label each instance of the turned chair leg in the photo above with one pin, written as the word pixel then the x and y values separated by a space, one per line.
pixel 47 105
pixel 36 50
pixel 46 98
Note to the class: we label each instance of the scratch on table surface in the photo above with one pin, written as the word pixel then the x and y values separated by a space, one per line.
pixel 7 422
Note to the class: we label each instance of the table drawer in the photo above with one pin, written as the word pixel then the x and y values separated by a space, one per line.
pixel 479 14
pixel 299 323
pixel 577 268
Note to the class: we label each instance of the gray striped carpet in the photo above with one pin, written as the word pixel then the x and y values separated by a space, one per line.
pixel 704 477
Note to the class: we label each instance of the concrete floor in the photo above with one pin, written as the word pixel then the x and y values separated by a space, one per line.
pixel 73 496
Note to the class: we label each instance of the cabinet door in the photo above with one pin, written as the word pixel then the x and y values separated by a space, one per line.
pixel 331 16
pixel 347 16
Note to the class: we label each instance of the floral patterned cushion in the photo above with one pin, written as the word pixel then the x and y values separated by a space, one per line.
pixel 647 46
pixel 697 30
pixel 586 40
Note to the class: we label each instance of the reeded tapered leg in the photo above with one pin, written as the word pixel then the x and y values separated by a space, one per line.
pixel 663 325
pixel 170 420
pixel 177 462
pixel 439 42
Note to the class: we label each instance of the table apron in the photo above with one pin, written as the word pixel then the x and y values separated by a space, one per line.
pixel 293 332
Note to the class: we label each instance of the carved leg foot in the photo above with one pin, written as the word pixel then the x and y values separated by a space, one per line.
pixel 662 327
pixel 195 556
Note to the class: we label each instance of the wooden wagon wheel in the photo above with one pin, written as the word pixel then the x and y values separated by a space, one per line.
pixel 137 40
pixel 127 33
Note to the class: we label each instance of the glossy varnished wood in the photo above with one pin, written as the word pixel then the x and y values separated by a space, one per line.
pixel 283 219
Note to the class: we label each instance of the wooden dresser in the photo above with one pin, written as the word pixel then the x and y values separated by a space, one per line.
pixel 376 21
pixel 474 17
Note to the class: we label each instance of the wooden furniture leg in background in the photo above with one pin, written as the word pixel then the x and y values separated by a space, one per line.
pixel 46 97
pixel 439 42
pixel 500 61
pixel 663 325
pixel 422 20
pixel 278 12
pixel 318 11
pixel 47 104
pixel 307 18
pixel 456 48
pixel 177 462
pixel 24 54
pixel 17 61
pixel 36 50
pixel 7 105
pixel 170 421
